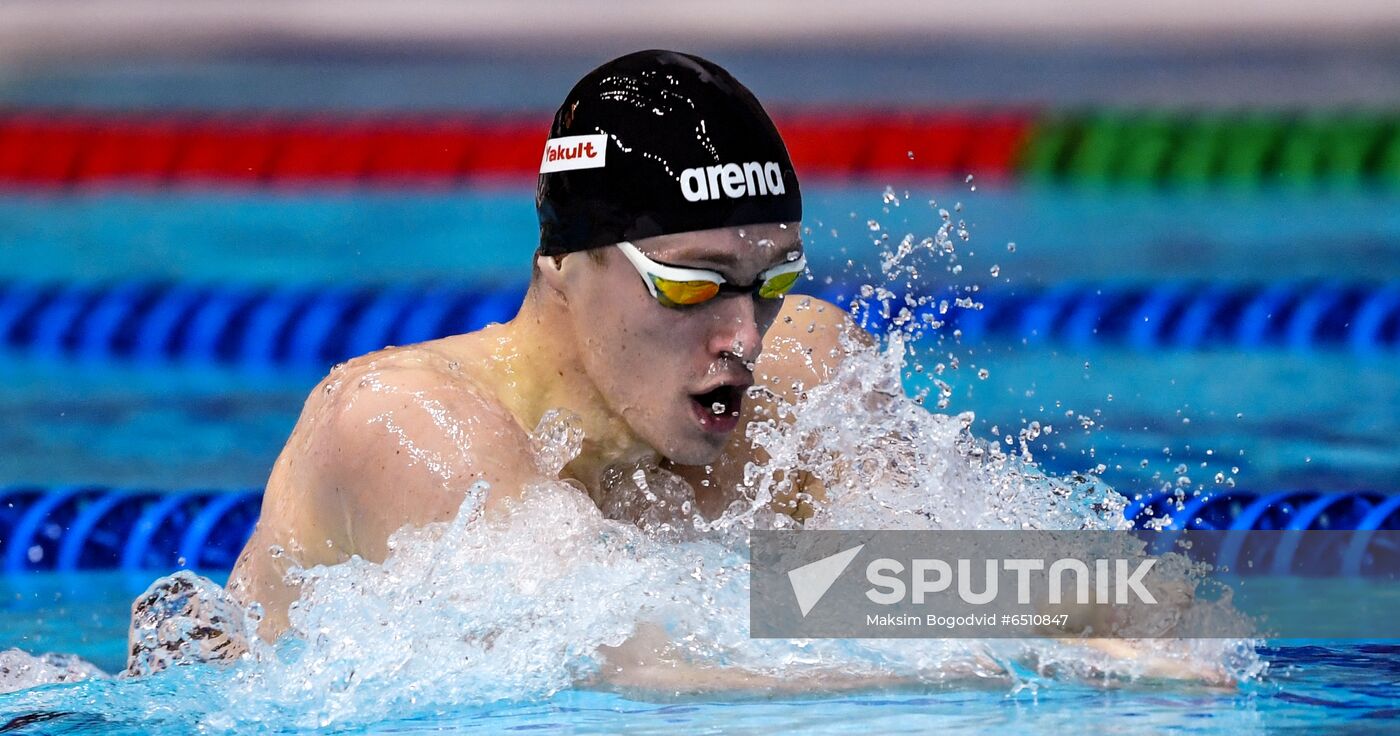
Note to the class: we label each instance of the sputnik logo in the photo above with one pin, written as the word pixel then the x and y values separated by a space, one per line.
pixel 811 581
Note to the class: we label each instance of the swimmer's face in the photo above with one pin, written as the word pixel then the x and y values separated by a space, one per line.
pixel 678 375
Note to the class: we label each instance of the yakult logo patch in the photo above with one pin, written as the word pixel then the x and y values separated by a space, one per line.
pixel 575 152
pixel 732 181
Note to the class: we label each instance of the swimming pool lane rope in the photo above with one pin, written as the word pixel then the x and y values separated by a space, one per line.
pixel 1124 148
pixel 313 326
pixel 90 527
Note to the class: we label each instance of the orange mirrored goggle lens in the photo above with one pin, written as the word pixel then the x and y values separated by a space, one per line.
pixel 685 293
pixel 690 293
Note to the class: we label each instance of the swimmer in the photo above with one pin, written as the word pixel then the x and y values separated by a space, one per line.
pixel 670 242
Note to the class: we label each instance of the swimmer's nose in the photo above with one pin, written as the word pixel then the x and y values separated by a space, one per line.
pixel 736 330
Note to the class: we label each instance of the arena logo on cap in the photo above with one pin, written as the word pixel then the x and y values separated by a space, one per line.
pixel 575 152
pixel 732 181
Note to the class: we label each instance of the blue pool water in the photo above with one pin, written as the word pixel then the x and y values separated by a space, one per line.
pixel 1310 685
pixel 1321 419
pixel 1261 419
pixel 1305 702
pixel 1284 418
pixel 368 236
pixel 1307 699
pixel 1291 423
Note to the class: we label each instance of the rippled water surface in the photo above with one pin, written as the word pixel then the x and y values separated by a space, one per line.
pixel 488 626
pixel 1310 687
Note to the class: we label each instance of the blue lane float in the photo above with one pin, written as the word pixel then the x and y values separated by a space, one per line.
pixel 86 527
pixel 82 527
pixel 314 326
pixel 1359 551
pixel 1300 316
pixel 238 325
pixel 1289 510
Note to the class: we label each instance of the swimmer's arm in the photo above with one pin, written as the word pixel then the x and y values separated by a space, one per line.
pixel 649 664
pixel 1154 665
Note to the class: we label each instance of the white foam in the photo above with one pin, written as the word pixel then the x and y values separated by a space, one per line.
pixel 19 670
pixel 523 604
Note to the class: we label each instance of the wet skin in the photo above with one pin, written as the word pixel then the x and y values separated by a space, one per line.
pixel 398 436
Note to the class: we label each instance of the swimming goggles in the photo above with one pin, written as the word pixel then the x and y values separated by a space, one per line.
pixel 684 287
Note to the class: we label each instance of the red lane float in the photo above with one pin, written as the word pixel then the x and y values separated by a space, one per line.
pixel 55 148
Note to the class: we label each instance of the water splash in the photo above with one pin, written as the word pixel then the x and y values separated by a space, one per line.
pixel 888 463
pixel 20 670
pixel 185 618
pixel 528 603
pixel 523 604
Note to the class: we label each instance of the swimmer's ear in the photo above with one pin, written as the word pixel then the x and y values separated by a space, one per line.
pixel 551 271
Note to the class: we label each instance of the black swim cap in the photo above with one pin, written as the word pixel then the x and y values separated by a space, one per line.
pixel 660 142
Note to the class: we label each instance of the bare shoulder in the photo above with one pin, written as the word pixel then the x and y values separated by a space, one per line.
pixel 396 437
pixel 389 439
pixel 372 390
pixel 806 344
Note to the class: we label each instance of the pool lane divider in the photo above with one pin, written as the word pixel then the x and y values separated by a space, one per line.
pixel 89 527
pixel 1117 148
pixel 65 148
pixel 92 527
pixel 315 326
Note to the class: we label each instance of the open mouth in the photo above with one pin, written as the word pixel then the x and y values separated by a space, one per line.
pixel 718 408
pixel 720 400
